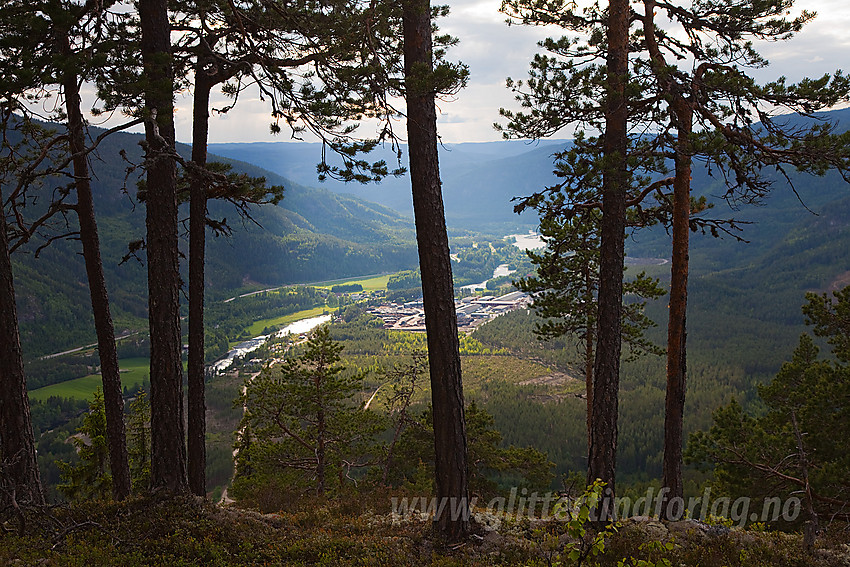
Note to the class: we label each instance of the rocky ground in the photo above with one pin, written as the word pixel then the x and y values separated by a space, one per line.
pixel 189 531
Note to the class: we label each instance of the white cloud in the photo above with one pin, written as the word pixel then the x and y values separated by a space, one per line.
pixel 495 51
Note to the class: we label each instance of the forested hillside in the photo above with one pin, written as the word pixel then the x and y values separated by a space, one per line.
pixel 745 295
pixel 480 180
pixel 313 235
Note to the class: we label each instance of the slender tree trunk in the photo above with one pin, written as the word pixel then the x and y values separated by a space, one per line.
pixel 674 404
pixel 602 459
pixel 812 525
pixel 388 463
pixel 17 443
pixel 437 286
pixel 589 338
pixel 197 241
pixel 168 449
pixel 112 392
pixel 320 453
pixel 676 332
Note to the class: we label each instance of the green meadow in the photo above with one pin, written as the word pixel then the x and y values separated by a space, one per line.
pixel 373 283
pixel 133 371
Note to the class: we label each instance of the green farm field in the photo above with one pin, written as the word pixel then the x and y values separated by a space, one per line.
pixel 370 283
pixel 133 371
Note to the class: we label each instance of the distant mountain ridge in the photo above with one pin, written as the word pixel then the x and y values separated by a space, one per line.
pixel 479 179
pixel 330 232
pixel 314 234
pixel 745 297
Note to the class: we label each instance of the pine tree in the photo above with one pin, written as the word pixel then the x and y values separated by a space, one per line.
pixel 302 420
pixel 90 477
pixel 139 441
pixel 403 380
pixel 708 107
pixel 790 449
pixel 711 110
pixel 488 457
pixel 70 76
pixel 268 45
pixel 58 39
pixel 565 288
pixel 595 95
pixel 450 441
pixel 168 448
pixel 21 481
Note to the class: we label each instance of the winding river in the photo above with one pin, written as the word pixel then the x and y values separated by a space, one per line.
pixel 243 348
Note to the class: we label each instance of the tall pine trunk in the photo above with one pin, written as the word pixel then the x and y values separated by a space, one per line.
pixel 17 443
pixel 602 458
pixel 682 111
pixel 435 265
pixel 321 449
pixel 589 338
pixel 676 332
pixel 112 392
pixel 168 449
pixel 197 242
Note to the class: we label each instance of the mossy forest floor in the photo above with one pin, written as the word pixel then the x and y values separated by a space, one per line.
pixel 187 531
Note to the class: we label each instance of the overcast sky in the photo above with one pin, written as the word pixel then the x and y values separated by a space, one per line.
pixel 494 51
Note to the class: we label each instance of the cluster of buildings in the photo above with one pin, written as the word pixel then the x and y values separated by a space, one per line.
pixel 471 311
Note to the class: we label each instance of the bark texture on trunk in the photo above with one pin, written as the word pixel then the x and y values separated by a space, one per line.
pixel 602 458
pixel 197 243
pixel 589 339
pixel 674 403
pixel 812 524
pixel 112 392
pixel 437 286
pixel 17 443
pixel 168 449
pixel 682 110
pixel 320 453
